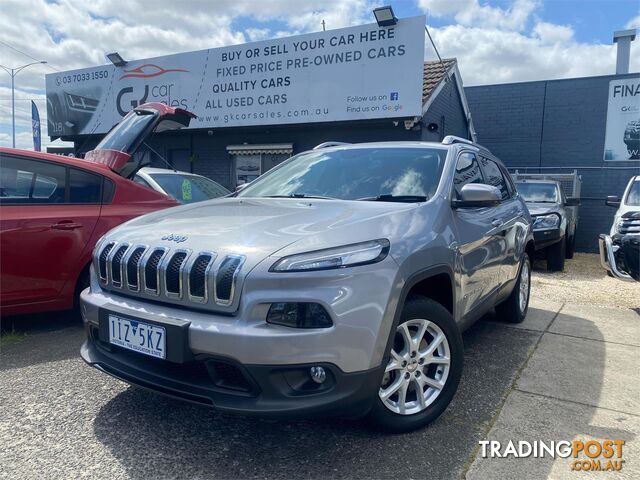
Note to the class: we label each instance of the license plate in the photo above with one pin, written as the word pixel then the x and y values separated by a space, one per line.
pixel 137 336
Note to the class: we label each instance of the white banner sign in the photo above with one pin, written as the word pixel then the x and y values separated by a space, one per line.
pixel 622 140
pixel 353 73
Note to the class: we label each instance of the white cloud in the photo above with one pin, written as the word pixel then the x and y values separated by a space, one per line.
pixel 634 22
pixel 550 33
pixel 500 45
pixel 472 13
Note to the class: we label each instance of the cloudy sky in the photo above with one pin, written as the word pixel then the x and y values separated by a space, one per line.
pixel 495 41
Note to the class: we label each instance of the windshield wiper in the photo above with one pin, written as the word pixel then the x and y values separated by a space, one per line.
pixel 299 195
pixel 395 198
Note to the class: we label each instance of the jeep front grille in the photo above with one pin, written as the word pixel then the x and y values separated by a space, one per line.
pixel 132 268
pixel 116 265
pixel 173 275
pixel 198 277
pixel 102 261
pixel 151 271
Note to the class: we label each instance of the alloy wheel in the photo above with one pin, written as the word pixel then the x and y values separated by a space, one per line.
pixel 418 368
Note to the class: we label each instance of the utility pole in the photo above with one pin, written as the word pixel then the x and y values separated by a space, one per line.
pixel 13 72
pixel 323 25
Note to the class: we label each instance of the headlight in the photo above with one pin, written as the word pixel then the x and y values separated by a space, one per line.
pixel 339 257
pixel 544 222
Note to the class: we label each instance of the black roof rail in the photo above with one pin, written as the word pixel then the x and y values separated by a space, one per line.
pixel 329 144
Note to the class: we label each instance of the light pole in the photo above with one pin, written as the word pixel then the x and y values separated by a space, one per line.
pixel 13 72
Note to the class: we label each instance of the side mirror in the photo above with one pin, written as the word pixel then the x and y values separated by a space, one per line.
pixel 612 201
pixel 572 202
pixel 476 195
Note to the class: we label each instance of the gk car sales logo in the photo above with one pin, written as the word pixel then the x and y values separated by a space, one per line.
pixel 132 96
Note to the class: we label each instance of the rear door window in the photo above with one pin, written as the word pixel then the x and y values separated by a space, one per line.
pixel 24 180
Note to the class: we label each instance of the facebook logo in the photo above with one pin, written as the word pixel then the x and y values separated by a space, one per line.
pixel 394 95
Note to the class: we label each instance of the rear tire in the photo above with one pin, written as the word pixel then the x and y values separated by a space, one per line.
pixel 426 358
pixel 556 255
pixel 514 308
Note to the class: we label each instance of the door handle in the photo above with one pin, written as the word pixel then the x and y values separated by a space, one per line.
pixel 66 225
pixel 497 223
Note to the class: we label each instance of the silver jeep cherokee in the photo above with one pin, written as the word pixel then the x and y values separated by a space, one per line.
pixel 336 283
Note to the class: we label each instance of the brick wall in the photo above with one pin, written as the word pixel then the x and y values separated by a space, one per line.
pixel 559 124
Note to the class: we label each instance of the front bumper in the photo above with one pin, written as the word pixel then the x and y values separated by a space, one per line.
pixel 240 363
pixel 219 382
pixel 544 238
pixel 609 253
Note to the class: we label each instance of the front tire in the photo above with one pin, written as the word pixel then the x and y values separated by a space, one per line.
pixel 556 255
pixel 424 368
pixel 514 308
pixel 571 246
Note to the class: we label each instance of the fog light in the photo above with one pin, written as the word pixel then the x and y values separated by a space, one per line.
pixel 318 374
pixel 299 315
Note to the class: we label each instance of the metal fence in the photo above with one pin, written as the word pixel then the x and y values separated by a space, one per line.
pixel 571 183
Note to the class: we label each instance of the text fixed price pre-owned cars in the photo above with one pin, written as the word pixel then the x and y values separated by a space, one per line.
pixel 337 283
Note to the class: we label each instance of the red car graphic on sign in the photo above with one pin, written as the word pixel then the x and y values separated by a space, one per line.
pixel 149 70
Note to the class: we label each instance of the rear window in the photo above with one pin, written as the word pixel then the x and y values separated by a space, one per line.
pixel 127 133
pixel 538 192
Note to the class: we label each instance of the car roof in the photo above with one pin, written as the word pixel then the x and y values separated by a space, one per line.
pixel 53 157
pixel 396 144
pixel 410 144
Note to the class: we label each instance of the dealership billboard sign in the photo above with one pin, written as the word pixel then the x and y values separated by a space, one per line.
pixel 622 138
pixel 355 73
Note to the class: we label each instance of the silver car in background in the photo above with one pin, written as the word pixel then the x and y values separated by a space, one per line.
pixel 338 283
pixel 185 187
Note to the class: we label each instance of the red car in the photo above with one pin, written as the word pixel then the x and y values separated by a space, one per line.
pixel 53 209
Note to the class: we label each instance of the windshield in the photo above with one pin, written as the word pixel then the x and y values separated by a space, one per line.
pixel 538 192
pixel 189 188
pixel 126 134
pixel 355 174
pixel 633 197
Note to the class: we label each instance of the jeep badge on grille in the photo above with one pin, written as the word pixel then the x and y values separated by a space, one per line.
pixel 172 237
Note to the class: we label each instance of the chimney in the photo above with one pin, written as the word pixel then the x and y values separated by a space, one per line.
pixel 623 38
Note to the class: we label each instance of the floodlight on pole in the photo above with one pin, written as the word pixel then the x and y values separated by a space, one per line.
pixel 384 16
pixel 116 59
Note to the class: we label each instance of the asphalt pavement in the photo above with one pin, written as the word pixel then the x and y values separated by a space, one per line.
pixel 63 419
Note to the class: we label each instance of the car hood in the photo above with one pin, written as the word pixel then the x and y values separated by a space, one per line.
pixel 263 230
pixel 260 227
pixel 536 208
